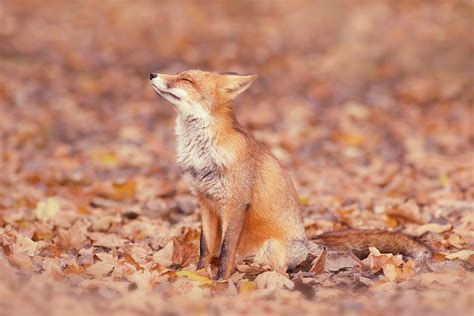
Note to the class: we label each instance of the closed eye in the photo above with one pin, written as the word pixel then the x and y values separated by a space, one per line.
pixel 186 79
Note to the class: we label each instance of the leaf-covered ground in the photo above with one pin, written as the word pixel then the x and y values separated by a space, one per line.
pixel 367 103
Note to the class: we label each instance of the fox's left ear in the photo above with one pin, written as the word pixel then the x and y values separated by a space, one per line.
pixel 234 84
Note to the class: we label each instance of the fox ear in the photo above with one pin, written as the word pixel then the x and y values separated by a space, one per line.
pixel 234 84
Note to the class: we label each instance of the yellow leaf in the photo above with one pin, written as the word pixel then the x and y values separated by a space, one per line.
pixel 304 200
pixel 350 139
pixel 247 287
pixel 105 159
pixel 47 209
pixel 124 190
pixel 194 277
pixel 444 180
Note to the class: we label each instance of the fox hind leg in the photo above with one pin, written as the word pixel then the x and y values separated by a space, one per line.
pixel 273 253
pixel 281 256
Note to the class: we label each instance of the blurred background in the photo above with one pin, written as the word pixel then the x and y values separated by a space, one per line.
pixel 366 103
pixel 341 83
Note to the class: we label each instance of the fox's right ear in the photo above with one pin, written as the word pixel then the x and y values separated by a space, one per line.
pixel 233 84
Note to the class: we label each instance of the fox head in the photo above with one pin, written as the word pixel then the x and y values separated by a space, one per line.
pixel 198 93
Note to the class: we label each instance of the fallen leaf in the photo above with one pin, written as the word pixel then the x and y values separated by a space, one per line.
pixel 350 139
pixel 105 159
pixel 142 279
pixel 409 211
pixel 391 272
pixel 319 263
pixel 456 240
pixel 21 260
pixel 100 269
pixel 24 245
pixel 47 209
pixel 432 227
pixel 335 261
pixel 165 255
pixel 106 240
pixel 194 277
pixel 304 200
pixel 184 252
pixel 123 190
pixel 439 278
pixel 465 255
pixel 73 238
pixel 408 270
pixel 106 264
pixel 247 287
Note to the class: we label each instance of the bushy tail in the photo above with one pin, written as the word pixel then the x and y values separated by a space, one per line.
pixel 358 241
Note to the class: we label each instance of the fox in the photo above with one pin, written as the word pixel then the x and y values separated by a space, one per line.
pixel 249 205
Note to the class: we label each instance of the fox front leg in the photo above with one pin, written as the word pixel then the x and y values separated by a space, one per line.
pixel 210 236
pixel 204 257
pixel 233 219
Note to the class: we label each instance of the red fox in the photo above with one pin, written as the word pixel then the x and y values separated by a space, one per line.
pixel 249 206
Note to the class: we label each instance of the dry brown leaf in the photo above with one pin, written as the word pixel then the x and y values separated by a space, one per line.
pixel 100 269
pixel 106 264
pixel 391 271
pixel 427 279
pixel 184 253
pixel 432 227
pixel 106 240
pixel 24 245
pixel 73 238
pixel 21 260
pixel 465 255
pixel 409 211
pixel 336 261
pixel 319 263
pixel 456 240
pixel 165 255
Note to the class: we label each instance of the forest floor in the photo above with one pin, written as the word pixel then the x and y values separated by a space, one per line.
pixel 368 104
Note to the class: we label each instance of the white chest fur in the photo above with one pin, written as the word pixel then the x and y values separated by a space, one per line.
pixel 201 162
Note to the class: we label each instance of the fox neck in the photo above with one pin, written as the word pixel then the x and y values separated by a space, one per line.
pixel 200 157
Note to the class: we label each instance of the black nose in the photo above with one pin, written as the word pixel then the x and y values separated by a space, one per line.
pixel 152 75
